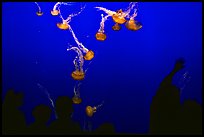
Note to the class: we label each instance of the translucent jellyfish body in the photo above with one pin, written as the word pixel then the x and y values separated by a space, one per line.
pixel 116 27
pixel 54 12
pixel 63 26
pixel 90 110
pixel 89 55
pixel 76 100
pixel 100 36
pixel 39 13
pixel 119 17
pixel 78 75
pixel 133 25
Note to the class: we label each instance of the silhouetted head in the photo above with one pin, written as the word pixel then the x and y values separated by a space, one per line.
pixel 41 113
pixel 179 64
pixel 192 117
pixel 13 99
pixel 64 107
pixel 192 107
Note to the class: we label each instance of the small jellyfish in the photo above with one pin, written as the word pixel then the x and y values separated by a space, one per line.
pixel 133 25
pixel 89 55
pixel 54 11
pixel 63 26
pixel 100 36
pixel 78 75
pixel 116 27
pixel 76 99
pixel 39 12
pixel 91 110
pixel 118 17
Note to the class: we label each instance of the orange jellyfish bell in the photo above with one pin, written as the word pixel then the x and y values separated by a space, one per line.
pixel 76 100
pixel 89 55
pixel 54 12
pixel 117 19
pixel 39 13
pixel 116 27
pixel 90 111
pixel 133 25
pixel 78 75
pixel 100 36
pixel 63 26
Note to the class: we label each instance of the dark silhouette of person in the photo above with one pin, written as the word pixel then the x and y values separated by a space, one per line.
pixel 165 110
pixel 105 129
pixel 64 124
pixel 42 114
pixel 191 117
pixel 13 120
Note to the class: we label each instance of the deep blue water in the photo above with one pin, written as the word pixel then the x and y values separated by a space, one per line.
pixel 126 70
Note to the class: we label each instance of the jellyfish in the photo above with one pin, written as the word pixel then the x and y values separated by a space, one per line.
pixel 100 34
pixel 65 23
pixel 54 11
pixel 132 24
pixel 78 73
pixel 116 27
pixel 39 12
pixel 91 110
pixel 89 54
pixel 120 15
pixel 76 99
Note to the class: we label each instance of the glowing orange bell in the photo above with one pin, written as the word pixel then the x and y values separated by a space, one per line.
pixel 90 110
pixel 54 12
pixel 89 55
pixel 78 75
pixel 76 100
pixel 117 19
pixel 100 36
pixel 62 26
pixel 116 27
pixel 133 25
pixel 39 13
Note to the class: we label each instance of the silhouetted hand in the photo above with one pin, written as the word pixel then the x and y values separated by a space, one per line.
pixel 179 64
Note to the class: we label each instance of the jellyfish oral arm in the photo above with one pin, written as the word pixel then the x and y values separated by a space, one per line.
pixel 80 45
pixel 48 95
pixel 80 57
pixel 131 6
pixel 102 23
pixel 56 5
pixel 38 6
pixel 73 15
pixel 109 12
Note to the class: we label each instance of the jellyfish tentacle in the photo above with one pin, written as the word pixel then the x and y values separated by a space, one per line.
pixel 80 57
pixel 80 45
pixel 109 12
pixel 39 9
pixel 102 23
pixel 56 5
pixel 130 7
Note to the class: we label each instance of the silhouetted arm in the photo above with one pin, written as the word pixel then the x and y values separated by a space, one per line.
pixel 177 67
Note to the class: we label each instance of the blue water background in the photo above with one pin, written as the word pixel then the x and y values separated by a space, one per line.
pixel 126 70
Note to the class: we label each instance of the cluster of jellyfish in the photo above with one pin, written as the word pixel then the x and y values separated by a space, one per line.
pixel 119 17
